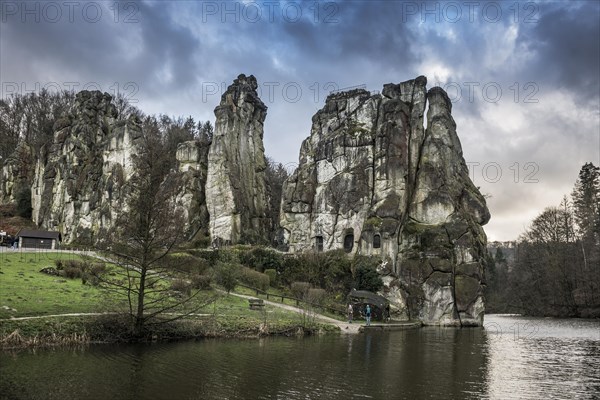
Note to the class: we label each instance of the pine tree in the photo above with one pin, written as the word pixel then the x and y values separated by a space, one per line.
pixel 586 201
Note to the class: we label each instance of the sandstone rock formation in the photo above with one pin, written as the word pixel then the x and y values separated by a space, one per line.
pixel 79 179
pixel 372 180
pixel 192 160
pixel 236 192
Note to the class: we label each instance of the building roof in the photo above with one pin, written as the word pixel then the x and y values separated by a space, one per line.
pixel 39 234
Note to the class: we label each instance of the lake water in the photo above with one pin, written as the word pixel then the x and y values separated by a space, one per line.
pixel 511 358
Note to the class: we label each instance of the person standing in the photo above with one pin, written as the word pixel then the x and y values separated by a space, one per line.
pixel 350 313
pixel 368 314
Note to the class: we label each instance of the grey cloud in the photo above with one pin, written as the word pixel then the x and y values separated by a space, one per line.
pixel 566 45
pixel 105 50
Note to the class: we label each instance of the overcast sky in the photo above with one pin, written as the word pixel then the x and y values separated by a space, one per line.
pixel 524 77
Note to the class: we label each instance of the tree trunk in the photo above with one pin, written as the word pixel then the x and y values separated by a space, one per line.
pixel 139 318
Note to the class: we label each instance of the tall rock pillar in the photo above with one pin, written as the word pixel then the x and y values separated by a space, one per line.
pixel 236 191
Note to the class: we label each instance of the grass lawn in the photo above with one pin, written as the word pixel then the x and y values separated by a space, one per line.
pixel 24 291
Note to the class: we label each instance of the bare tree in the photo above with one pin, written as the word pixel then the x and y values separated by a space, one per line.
pixel 147 230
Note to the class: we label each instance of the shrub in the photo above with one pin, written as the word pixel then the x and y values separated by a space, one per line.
pixel 261 258
pixel 201 267
pixel 182 262
pixel 73 264
pixel 181 285
pixel 272 274
pixel 226 275
pixel 89 278
pixel 367 278
pixel 299 289
pixel 316 296
pixel 201 282
pixel 255 279
pixel 331 270
pixel 97 268
pixel 208 255
pixel 230 255
pixel 72 272
pixel 59 264
pixel 291 270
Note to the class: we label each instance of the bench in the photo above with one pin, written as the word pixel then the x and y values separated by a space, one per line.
pixel 256 304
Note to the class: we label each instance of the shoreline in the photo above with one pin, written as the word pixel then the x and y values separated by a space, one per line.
pixel 43 332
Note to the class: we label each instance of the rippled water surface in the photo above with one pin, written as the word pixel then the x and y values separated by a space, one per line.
pixel 511 358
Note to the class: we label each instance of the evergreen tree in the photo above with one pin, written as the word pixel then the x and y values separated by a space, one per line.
pixel 586 201
pixel 205 131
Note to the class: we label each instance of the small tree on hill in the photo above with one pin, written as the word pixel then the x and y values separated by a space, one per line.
pixel 147 230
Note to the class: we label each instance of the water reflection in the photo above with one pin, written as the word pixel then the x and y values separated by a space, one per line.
pixel 507 360
pixel 536 358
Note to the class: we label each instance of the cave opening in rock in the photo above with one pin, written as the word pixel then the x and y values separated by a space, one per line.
pixel 349 241
pixel 376 241
pixel 319 243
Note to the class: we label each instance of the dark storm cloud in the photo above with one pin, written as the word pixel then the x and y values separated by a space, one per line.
pixel 358 30
pixel 139 49
pixel 566 47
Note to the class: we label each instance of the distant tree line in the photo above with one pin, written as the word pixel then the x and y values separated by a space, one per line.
pixel 30 118
pixel 557 267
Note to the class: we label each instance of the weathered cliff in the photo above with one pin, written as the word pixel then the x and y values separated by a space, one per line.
pixel 236 192
pixel 192 160
pixel 372 180
pixel 79 179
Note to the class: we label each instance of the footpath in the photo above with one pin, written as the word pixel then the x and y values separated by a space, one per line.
pixel 345 327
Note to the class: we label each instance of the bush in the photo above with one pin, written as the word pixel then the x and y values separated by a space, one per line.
pixel 272 274
pixel 316 296
pixel 97 268
pixel 255 279
pixel 89 278
pixel 291 270
pixel 367 278
pixel 182 262
pixel 201 282
pixel 261 258
pixel 230 255
pixel 331 270
pixel 226 275
pixel 181 285
pixel 300 289
pixel 72 272
pixel 59 264
pixel 202 267
pixel 73 264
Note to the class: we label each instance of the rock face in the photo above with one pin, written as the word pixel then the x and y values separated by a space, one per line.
pixel 236 192
pixel 372 180
pixel 79 180
pixel 192 160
